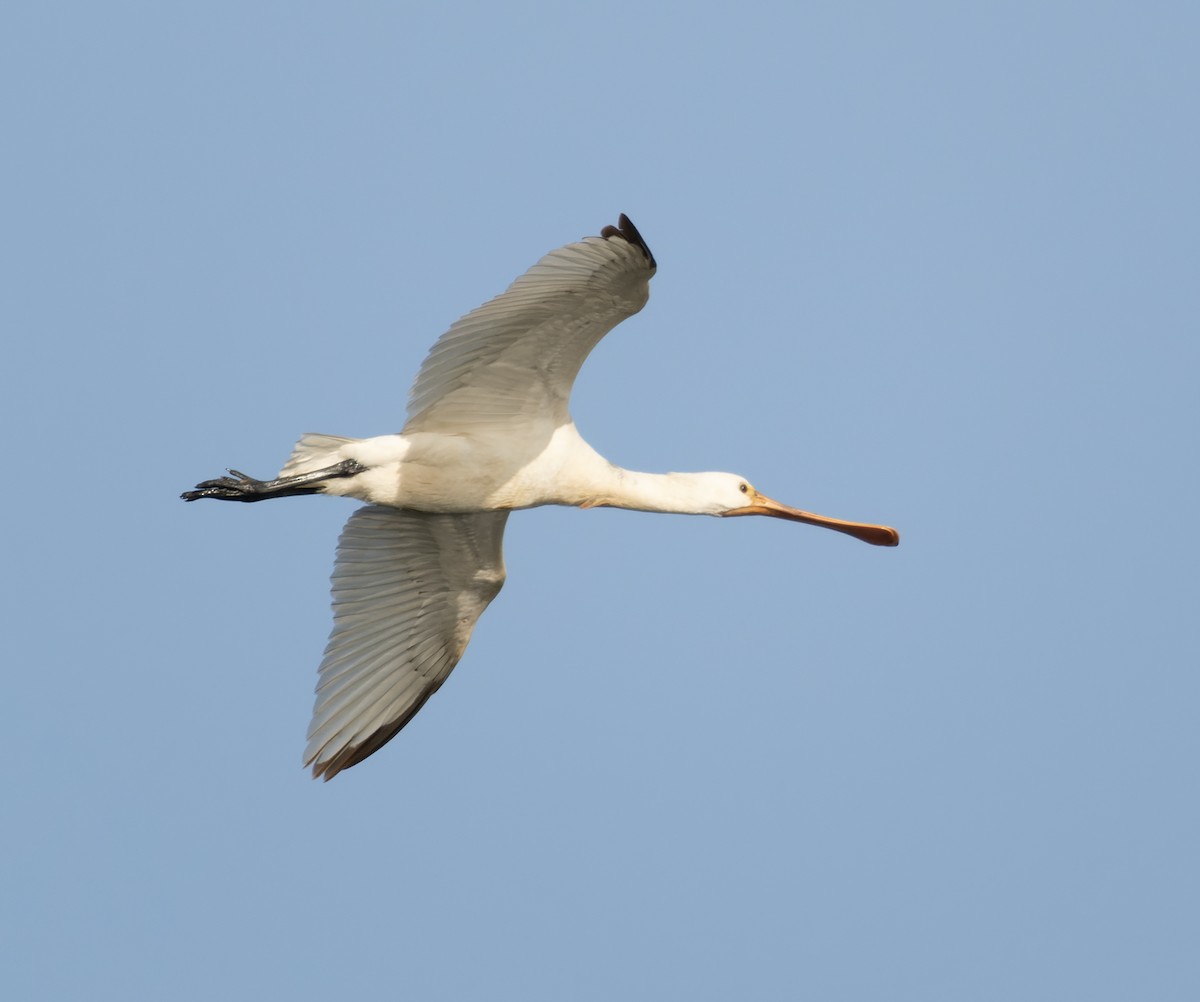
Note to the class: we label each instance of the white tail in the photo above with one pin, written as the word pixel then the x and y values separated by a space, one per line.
pixel 314 452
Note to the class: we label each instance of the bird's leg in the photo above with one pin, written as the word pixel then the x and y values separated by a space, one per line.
pixel 239 487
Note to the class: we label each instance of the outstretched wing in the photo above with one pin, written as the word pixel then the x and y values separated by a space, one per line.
pixel 516 357
pixel 408 587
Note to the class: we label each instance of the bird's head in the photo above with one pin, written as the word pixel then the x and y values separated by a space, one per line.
pixel 734 495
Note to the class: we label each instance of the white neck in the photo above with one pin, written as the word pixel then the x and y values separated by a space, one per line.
pixel 674 493
pixel 581 476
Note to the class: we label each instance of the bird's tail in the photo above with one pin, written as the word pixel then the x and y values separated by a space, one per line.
pixel 314 452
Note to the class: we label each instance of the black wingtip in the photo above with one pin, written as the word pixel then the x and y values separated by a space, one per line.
pixel 625 230
pixel 351 755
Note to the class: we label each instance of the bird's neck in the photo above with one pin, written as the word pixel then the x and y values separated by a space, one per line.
pixel 673 493
pixel 584 478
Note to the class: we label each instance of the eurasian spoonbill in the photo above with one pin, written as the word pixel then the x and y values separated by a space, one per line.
pixel 488 432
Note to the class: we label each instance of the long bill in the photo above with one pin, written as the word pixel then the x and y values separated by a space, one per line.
pixel 876 535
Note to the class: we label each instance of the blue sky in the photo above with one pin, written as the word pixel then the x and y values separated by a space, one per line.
pixel 926 264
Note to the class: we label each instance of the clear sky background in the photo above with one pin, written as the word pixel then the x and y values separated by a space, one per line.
pixel 928 264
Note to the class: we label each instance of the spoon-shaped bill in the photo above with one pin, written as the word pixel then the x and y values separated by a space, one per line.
pixel 876 535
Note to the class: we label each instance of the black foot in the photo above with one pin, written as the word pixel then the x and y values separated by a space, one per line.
pixel 239 487
pixel 235 487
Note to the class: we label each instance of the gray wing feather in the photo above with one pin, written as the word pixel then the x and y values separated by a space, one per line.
pixel 407 589
pixel 517 356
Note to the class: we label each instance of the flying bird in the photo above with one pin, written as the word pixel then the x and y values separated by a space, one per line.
pixel 488 432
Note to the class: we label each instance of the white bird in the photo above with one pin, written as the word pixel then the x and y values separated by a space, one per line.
pixel 488 432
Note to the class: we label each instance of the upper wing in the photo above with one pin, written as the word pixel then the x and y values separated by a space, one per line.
pixel 408 587
pixel 518 355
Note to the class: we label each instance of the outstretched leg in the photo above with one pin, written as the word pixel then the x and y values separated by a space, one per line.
pixel 239 487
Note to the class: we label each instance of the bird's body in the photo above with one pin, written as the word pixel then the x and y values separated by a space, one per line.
pixel 487 472
pixel 460 473
pixel 488 432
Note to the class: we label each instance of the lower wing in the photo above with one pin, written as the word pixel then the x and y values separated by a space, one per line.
pixel 407 589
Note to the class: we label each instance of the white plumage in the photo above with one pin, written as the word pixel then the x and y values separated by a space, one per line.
pixel 488 431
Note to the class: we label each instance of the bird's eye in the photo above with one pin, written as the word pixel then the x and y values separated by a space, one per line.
pixel 743 488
